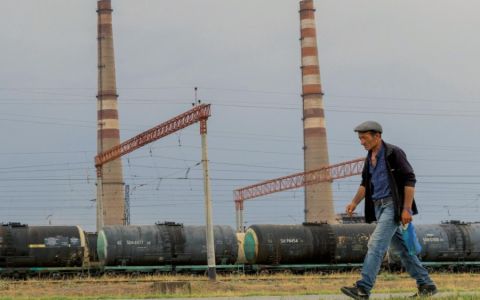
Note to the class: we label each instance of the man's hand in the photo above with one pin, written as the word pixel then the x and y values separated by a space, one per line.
pixel 355 201
pixel 350 208
pixel 406 216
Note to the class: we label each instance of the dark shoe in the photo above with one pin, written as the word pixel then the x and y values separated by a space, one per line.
pixel 355 292
pixel 425 291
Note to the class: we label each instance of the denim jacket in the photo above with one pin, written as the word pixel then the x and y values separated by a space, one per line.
pixel 400 174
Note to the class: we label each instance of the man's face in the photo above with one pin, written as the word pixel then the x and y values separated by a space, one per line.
pixel 369 140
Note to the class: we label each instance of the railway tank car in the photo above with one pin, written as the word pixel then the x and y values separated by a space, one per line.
pixel 306 244
pixel 448 242
pixel 451 242
pixel 164 244
pixel 42 246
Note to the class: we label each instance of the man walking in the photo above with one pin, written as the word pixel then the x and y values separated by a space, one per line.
pixel 388 186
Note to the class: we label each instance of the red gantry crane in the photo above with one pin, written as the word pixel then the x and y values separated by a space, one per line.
pixel 329 173
pixel 200 114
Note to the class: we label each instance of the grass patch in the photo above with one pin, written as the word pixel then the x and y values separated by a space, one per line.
pixel 464 286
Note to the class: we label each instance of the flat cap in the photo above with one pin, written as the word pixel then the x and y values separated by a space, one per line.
pixel 369 126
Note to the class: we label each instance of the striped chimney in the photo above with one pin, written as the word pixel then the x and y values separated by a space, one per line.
pixel 110 185
pixel 318 198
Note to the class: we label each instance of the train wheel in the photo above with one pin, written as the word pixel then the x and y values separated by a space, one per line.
pixel 57 276
pixel 110 274
pixel 135 274
pixel 264 272
pixel 80 275
pixel 20 276
pixel 288 272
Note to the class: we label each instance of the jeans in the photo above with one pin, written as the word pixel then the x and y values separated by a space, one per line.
pixel 387 233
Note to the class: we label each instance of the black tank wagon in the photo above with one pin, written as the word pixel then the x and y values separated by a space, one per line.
pixel 164 244
pixel 451 244
pixel 42 246
pixel 307 243
pixel 446 244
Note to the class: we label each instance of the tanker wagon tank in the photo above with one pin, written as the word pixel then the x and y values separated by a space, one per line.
pixel 164 244
pixel 309 243
pixel 452 243
pixel 449 242
pixel 287 244
pixel 23 246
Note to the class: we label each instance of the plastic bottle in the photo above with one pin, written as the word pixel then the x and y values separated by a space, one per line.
pixel 410 238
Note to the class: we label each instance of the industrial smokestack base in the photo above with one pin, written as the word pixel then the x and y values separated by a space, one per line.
pixel 110 186
pixel 319 206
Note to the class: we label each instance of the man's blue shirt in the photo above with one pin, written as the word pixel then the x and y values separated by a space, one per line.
pixel 380 184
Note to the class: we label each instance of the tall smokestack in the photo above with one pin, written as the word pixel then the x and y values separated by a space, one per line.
pixel 318 198
pixel 110 194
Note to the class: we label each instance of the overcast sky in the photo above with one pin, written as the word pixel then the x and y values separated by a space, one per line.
pixel 411 65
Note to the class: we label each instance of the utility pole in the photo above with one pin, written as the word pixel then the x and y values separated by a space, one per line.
pixel 127 204
pixel 212 272
pixel 49 218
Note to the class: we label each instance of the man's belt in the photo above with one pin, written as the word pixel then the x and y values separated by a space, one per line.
pixel 383 201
